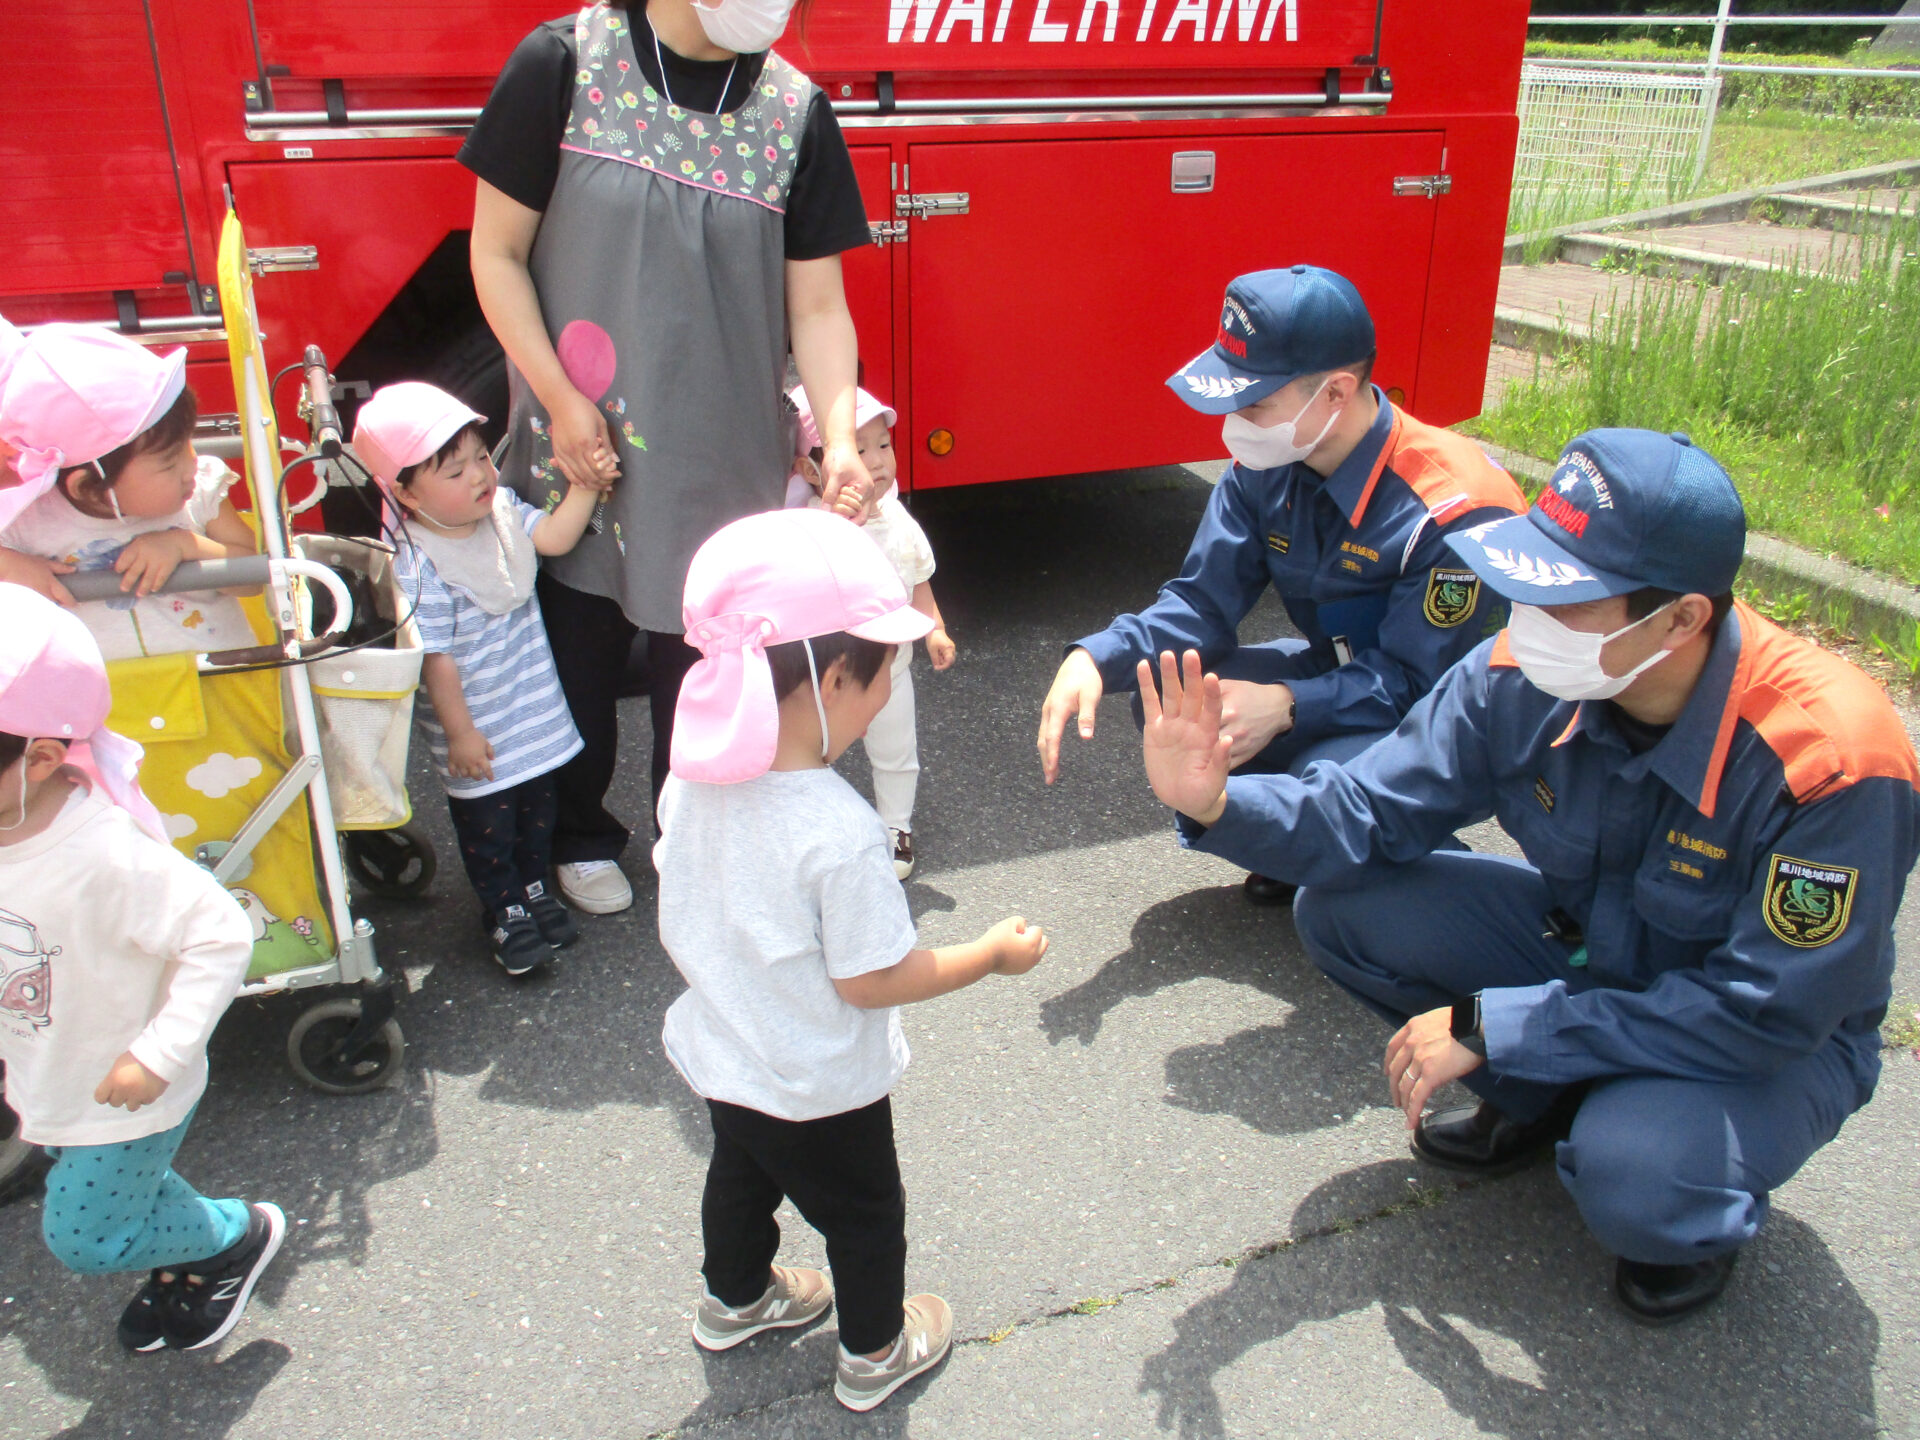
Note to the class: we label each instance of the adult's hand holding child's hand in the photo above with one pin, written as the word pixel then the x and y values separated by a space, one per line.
pixel 1017 946
pixel 1182 744
pixel 582 444
pixel 129 1084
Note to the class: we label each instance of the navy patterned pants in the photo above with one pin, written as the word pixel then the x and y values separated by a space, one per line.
pixel 506 839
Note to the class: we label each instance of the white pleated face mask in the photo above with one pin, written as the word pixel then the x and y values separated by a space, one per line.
pixel 1268 447
pixel 1565 662
pixel 745 27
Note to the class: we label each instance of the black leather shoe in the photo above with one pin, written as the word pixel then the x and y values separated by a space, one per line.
pixel 1479 1139
pixel 1661 1294
pixel 1264 890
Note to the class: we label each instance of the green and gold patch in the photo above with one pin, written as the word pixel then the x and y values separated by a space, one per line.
pixel 1808 904
pixel 1451 596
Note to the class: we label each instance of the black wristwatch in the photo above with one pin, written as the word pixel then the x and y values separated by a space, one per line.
pixel 1466 1025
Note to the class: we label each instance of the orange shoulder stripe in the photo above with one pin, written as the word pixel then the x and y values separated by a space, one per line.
pixel 1502 655
pixel 1450 473
pixel 1827 721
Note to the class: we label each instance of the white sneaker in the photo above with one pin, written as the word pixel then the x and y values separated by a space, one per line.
pixel 595 886
pixel 902 843
pixel 861 1384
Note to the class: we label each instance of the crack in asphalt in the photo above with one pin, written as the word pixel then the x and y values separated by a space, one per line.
pixel 1424 1197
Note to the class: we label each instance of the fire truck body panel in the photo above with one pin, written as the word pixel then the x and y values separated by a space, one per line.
pixel 1045 261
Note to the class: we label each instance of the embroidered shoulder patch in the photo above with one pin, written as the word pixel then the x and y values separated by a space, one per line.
pixel 1808 905
pixel 1451 596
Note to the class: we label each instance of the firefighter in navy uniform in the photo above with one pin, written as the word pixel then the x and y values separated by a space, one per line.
pixel 1342 503
pixel 1683 984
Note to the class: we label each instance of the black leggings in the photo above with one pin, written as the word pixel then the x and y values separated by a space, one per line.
pixel 841 1174
pixel 590 637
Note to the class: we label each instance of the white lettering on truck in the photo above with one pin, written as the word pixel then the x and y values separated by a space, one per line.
pixel 970 16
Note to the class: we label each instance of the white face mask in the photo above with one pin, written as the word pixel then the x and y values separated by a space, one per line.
pixel 1565 662
pixel 744 26
pixel 1268 447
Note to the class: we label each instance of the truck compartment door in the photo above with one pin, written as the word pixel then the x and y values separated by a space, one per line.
pixel 1049 305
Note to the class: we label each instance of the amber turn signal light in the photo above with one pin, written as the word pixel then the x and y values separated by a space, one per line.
pixel 940 442
pixel 1396 395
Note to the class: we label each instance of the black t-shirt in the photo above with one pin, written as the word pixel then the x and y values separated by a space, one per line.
pixel 515 144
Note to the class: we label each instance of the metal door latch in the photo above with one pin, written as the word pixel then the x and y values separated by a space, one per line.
pixel 885 232
pixel 1192 172
pixel 926 207
pixel 1430 186
pixel 274 258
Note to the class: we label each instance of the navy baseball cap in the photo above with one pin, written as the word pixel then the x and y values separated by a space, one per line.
pixel 1625 509
pixel 1276 326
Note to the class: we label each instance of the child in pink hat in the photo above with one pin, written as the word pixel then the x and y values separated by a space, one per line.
pixel 117 957
pixel 100 432
pixel 495 720
pixel 779 905
pixel 892 741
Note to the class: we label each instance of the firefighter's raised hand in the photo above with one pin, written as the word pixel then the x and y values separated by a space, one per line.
pixel 1076 693
pixel 1182 745
pixel 582 444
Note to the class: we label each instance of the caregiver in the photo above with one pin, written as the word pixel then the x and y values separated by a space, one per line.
pixel 661 207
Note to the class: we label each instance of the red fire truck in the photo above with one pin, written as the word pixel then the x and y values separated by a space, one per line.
pixel 1058 191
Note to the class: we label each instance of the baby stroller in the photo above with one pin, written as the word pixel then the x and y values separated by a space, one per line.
pixel 267 762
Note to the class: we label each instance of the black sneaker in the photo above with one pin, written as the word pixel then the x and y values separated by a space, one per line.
pixel 141 1328
pixel 553 918
pixel 209 1298
pixel 518 945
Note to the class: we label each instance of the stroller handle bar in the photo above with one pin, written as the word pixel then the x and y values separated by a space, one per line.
pixel 243 573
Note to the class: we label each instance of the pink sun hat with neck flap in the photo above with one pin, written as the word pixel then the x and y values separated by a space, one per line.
pixel 768 580
pixel 70 394
pixel 404 424
pixel 53 686
pixel 865 407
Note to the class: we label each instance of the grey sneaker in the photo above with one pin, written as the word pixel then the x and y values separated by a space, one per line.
pixel 861 1384
pixel 796 1297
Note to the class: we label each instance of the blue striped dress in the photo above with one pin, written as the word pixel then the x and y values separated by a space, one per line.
pixel 506 674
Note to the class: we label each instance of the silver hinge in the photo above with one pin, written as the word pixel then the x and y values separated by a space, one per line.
pixel 885 232
pixel 927 206
pixel 275 258
pixel 1427 185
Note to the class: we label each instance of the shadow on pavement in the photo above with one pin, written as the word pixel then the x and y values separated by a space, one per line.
pixel 1313 1070
pixel 1510 1260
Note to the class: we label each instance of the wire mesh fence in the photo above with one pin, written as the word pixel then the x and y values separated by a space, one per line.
pixel 1597 141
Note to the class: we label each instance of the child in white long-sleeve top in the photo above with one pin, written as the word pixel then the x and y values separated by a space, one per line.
pixel 892 740
pixel 118 955
pixel 779 906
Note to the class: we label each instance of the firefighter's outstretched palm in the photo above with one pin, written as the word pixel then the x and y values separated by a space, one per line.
pixel 1185 753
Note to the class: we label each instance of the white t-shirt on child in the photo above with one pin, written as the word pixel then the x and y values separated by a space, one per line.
pixel 55 529
pixel 769 891
pixel 110 941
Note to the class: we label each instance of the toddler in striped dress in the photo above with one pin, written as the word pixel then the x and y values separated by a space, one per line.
pixel 492 712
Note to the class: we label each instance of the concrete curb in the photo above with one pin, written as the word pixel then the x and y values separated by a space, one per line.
pixel 1859 601
pixel 1731 206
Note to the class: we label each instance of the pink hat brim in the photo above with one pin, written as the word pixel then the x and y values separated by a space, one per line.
pixel 896 627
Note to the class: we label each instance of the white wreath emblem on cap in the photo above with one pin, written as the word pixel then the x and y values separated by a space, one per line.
pixel 1215 387
pixel 1525 570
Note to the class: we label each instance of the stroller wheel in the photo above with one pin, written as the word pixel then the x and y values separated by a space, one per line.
pixel 396 864
pixel 314 1044
pixel 20 1163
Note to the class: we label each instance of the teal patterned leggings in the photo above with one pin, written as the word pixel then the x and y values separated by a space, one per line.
pixel 121 1207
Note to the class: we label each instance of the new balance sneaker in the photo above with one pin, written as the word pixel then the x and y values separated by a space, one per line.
pixel 141 1328
pixel 209 1298
pixel 796 1297
pixel 861 1384
pixel 555 924
pixel 902 842
pixel 595 886
pixel 518 945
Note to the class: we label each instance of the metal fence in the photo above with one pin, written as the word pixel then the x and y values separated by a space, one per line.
pixel 1589 134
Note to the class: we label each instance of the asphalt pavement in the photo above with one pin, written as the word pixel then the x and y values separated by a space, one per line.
pixel 1156 1178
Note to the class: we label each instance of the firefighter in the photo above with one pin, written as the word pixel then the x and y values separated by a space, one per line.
pixel 1339 500
pixel 661 201
pixel 1684 980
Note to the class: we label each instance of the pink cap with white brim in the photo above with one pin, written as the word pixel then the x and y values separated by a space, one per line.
pixel 405 424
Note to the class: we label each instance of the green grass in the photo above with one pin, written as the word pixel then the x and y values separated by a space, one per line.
pixel 1775 145
pixel 1806 388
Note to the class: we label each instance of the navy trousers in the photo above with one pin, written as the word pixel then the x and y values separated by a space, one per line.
pixel 1664 1170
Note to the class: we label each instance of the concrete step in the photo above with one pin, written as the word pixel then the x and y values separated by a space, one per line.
pixel 1637 255
pixel 1860 211
pixel 1756 245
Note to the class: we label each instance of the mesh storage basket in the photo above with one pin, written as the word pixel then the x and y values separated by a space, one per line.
pixel 364 698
